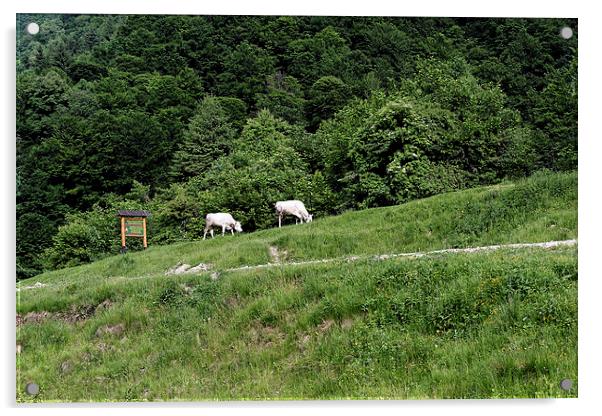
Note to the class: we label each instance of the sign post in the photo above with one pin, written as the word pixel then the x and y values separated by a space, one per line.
pixel 133 224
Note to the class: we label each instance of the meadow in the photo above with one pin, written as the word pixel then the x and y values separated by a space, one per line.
pixel 471 325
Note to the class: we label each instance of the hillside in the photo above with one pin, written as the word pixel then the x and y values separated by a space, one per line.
pixel 181 115
pixel 494 324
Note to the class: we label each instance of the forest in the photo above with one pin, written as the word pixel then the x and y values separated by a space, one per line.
pixel 186 115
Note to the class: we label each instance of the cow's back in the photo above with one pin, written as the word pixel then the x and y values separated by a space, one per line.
pixel 219 218
pixel 290 205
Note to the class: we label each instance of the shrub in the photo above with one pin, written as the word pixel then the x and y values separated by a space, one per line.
pixel 84 238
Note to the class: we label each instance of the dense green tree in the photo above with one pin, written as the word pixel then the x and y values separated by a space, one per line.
pixel 518 53
pixel 84 67
pixel 38 97
pixel 328 94
pixel 284 98
pixel 208 137
pixel 442 130
pixel 555 116
pixel 324 54
pixel 176 215
pixel 235 109
pixel 288 29
pixel 247 67
pixel 40 205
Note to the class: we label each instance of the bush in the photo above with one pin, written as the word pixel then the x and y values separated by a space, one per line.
pixel 176 215
pixel 421 178
pixel 442 130
pixel 84 238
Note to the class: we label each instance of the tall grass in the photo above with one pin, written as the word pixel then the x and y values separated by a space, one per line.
pixel 458 326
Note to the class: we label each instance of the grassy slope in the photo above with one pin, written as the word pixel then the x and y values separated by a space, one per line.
pixel 473 325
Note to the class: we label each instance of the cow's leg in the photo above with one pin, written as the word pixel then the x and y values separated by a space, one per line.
pixel 279 220
pixel 205 233
pixel 212 236
pixel 223 230
pixel 232 229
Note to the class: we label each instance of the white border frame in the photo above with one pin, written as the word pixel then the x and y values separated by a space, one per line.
pixel 589 153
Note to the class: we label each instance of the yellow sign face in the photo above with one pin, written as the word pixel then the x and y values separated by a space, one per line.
pixel 134 227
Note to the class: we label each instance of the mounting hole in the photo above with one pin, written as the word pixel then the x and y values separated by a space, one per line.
pixel 566 384
pixel 32 389
pixel 32 28
pixel 566 32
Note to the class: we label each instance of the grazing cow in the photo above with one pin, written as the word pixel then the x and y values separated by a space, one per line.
pixel 223 220
pixel 295 208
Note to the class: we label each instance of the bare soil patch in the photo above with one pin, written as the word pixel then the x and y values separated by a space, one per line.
pixel 76 314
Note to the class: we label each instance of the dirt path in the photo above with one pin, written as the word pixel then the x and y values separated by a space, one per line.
pixel 276 257
pixel 378 257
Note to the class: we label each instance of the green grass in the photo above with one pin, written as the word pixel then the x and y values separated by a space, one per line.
pixel 481 325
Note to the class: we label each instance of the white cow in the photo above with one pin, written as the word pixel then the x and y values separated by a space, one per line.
pixel 295 208
pixel 223 220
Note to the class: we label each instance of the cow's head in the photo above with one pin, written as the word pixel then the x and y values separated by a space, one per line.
pixel 238 227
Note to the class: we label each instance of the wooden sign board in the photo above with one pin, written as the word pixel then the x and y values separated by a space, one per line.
pixel 133 224
pixel 134 227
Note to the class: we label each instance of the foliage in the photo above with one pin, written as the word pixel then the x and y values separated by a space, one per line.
pixel 441 131
pixel 176 213
pixel 328 94
pixel 84 238
pixel 555 114
pixel 324 54
pixel 248 65
pixel 284 98
pixel 209 135
pixel 262 168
